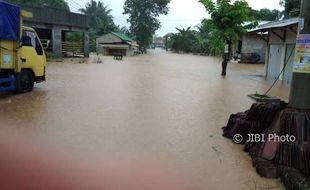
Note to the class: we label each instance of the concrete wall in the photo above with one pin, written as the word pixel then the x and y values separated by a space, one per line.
pixel 50 15
pixel 290 37
pixel 57 41
pixel 132 50
pixel 254 44
pixel 86 44
pixel 34 24
pixel 283 58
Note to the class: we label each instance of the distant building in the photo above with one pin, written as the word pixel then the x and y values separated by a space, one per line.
pixel 158 42
pixel 116 43
pixel 281 41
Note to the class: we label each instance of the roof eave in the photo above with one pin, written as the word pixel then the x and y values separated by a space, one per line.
pixel 271 28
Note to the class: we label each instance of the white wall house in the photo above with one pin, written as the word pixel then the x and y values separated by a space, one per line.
pixel 280 51
pixel 116 43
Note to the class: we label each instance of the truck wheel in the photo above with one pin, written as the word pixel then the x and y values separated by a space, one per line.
pixel 24 82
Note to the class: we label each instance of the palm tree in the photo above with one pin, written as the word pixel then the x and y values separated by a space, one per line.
pixel 100 20
pixel 186 37
pixel 99 17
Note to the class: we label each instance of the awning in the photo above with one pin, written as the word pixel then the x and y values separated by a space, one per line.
pixel 276 25
pixel 115 46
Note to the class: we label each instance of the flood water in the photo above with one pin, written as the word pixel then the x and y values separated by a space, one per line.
pixel 161 105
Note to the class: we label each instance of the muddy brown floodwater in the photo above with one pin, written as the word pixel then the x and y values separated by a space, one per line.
pixel 160 105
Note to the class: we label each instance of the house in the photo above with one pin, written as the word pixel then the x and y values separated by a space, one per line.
pixel 251 48
pixel 116 43
pixel 158 42
pixel 281 40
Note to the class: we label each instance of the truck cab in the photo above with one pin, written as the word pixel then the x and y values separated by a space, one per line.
pixel 33 55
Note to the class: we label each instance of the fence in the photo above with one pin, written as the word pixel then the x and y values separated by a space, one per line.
pixel 73 49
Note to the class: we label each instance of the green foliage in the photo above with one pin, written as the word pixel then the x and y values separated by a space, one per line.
pixel 184 40
pixel 228 17
pixel 99 17
pixel 210 43
pixel 204 41
pixel 126 31
pixel 291 8
pixel 142 18
pixel 265 14
pixel 226 25
pixel 100 21
pixel 74 37
pixel 60 4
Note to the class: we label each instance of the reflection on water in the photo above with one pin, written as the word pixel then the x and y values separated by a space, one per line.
pixel 21 109
pixel 161 104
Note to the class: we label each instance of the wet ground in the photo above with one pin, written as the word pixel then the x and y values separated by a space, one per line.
pixel 160 105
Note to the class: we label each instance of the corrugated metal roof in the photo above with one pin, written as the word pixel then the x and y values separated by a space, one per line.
pixel 276 24
pixel 122 37
pixel 259 24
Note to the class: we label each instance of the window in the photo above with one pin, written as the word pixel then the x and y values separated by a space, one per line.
pixel 34 41
pixel 32 37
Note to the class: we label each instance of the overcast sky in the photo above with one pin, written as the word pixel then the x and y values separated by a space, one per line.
pixel 182 13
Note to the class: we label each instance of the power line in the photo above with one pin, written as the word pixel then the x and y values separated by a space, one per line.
pixel 73 4
pixel 78 4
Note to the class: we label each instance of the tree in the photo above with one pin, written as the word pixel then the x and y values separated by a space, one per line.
pixel 74 37
pixel 100 20
pixel 228 18
pixel 143 18
pixel 210 43
pixel 291 8
pixel 265 14
pixel 99 17
pixel 186 39
pixel 60 4
pixel 204 40
pixel 125 30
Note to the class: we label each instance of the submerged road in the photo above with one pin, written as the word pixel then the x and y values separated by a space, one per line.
pixel 160 105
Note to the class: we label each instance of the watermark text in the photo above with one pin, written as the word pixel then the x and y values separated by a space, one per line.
pixel 257 138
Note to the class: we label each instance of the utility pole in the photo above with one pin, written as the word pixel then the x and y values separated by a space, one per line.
pixel 300 87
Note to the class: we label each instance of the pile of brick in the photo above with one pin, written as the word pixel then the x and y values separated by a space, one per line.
pixel 287 156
